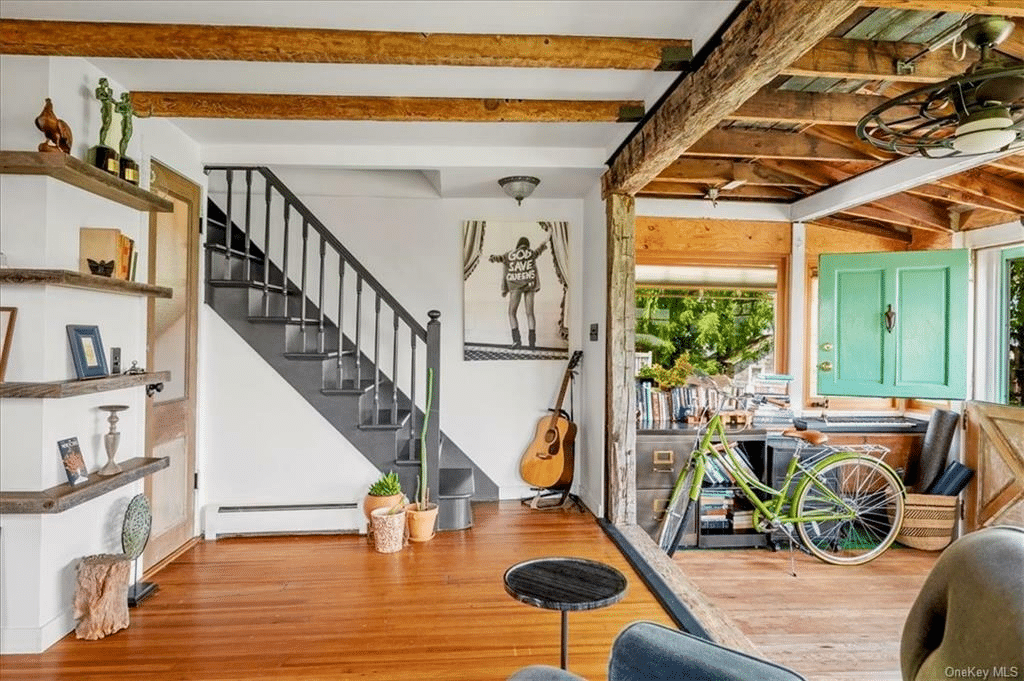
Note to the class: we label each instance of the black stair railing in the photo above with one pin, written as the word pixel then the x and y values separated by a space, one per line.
pixel 277 237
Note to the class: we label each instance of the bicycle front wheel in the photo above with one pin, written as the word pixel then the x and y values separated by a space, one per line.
pixel 850 510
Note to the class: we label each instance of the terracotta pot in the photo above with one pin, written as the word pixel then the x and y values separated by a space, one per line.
pixel 388 530
pixel 371 502
pixel 421 523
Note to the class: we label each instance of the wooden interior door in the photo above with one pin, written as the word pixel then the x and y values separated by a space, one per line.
pixel 171 413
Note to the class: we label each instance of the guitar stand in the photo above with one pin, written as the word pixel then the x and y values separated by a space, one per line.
pixel 541 501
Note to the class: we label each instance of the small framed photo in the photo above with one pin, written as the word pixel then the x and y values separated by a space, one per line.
pixel 71 457
pixel 7 317
pixel 87 351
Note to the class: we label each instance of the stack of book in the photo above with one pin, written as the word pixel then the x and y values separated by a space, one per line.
pixel 715 506
pixel 682 404
pixel 742 521
pixel 107 252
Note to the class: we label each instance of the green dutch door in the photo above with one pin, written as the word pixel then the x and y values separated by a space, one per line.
pixel 893 324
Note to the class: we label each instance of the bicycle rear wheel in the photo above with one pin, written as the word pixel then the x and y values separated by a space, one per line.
pixel 850 509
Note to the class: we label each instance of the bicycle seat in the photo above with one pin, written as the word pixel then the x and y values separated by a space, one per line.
pixel 813 437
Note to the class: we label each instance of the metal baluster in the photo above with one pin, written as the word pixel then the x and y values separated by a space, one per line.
pixel 284 258
pixel 341 319
pixel 248 217
pixel 320 341
pixel 359 332
pixel 266 255
pixel 302 298
pixel 394 371
pixel 412 395
pixel 227 228
pixel 376 361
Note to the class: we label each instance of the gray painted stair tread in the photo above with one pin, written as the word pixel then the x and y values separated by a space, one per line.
pixel 241 283
pixel 259 319
pixel 314 356
pixel 384 418
pixel 235 253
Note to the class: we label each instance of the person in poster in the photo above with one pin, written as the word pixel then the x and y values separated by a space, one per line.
pixel 520 281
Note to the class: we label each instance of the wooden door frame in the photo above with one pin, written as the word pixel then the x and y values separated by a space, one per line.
pixel 191 193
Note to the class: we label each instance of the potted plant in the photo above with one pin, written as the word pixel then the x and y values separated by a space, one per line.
pixel 423 514
pixel 384 493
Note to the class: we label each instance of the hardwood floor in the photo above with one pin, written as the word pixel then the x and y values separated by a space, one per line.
pixel 332 608
pixel 828 623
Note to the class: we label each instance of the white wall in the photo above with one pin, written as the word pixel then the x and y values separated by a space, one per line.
pixel 39 223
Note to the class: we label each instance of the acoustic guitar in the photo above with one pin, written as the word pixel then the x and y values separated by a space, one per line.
pixel 548 461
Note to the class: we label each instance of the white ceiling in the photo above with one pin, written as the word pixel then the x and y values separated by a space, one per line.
pixel 468 156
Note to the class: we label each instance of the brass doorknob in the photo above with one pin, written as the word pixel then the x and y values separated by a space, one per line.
pixel 825 366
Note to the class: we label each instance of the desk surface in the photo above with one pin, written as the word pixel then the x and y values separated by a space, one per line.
pixel 565 583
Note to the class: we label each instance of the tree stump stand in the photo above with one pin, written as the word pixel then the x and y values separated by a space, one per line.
pixel 101 598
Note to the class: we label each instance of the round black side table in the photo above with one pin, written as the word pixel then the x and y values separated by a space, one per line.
pixel 565 584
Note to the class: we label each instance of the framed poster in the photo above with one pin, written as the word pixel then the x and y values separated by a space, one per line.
pixel 515 290
pixel 87 351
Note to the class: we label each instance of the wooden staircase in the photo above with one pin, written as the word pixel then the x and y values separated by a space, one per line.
pixel 329 328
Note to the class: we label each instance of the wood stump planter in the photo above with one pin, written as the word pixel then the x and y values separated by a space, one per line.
pixel 101 598
pixel 421 523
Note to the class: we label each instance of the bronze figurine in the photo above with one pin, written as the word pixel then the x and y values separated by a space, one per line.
pixel 58 134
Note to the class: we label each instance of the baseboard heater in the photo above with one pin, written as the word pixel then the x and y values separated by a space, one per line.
pixel 276 519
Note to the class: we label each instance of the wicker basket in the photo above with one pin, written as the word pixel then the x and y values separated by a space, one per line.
pixel 928 521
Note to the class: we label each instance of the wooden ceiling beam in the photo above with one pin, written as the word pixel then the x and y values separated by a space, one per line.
pixel 333 46
pixel 957 197
pixel 806 108
pixel 736 143
pixel 1004 7
pixel 847 137
pixel 869 60
pixel 344 108
pixel 980 218
pixel 1014 164
pixel 880 211
pixel 986 184
pixel 762 39
pixel 716 172
pixel 874 230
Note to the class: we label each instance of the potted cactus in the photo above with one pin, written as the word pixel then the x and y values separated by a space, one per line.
pixel 384 493
pixel 423 514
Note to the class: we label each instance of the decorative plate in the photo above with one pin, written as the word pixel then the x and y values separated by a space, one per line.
pixel 138 519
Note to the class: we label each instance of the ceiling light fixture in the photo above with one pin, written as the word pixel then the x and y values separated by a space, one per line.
pixel 978 112
pixel 519 186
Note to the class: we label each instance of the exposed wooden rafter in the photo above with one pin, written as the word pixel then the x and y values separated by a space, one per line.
pixel 864 228
pixel 767 35
pixel 664 189
pixel 716 172
pixel 1004 7
pixel 343 108
pixel 977 219
pixel 957 197
pixel 980 182
pixel 806 108
pixel 869 60
pixel 734 143
pixel 333 46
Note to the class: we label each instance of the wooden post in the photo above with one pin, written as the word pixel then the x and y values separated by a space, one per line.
pixel 433 435
pixel 620 401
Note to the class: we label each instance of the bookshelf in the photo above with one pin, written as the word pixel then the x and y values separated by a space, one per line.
pixel 71 279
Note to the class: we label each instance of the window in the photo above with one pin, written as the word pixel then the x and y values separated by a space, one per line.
pixel 1011 376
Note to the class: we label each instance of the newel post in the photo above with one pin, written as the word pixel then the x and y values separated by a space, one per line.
pixel 433 435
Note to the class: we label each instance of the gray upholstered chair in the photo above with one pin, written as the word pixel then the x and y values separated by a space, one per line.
pixel 970 611
pixel 968 615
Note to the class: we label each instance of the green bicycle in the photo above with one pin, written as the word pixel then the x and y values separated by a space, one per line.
pixel 845 504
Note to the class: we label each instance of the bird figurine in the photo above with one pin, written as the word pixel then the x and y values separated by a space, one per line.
pixel 58 134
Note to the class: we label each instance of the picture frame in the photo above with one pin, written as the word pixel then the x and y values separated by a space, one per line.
pixel 7 317
pixel 87 351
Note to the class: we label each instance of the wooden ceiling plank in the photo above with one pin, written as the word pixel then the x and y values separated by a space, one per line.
pixel 1004 7
pixel 735 143
pixel 334 46
pixel 980 218
pixel 847 137
pixel 927 214
pixel 767 35
pixel 880 212
pixel 1014 164
pixel 874 230
pixel 868 60
pixel 806 108
pixel 344 108
pixel 980 182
